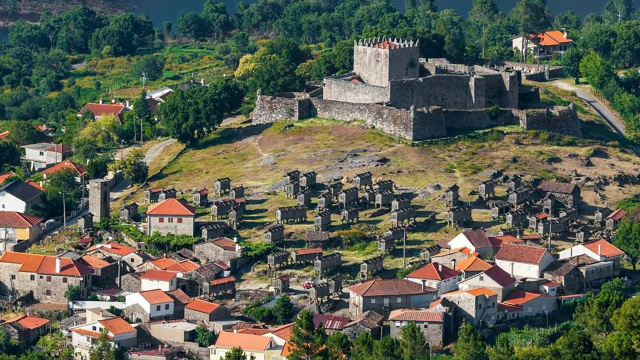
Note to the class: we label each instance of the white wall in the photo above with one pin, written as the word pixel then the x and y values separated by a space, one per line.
pixel 9 202
pixel 461 241
pixel 137 299
pixel 148 284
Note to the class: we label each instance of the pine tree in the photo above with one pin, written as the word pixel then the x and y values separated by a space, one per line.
pixel 469 345
pixel 306 341
pixel 413 343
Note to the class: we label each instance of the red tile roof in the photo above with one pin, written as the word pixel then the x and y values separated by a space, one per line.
pixel 223 280
pixel 94 334
pixel 45 265
pixel 380 287
pixel 551 284
pixel 156 296
pixel 510 308
pixel 472 263
pixel 16 219
pixel 103 109
pixel 117 326
pixel 606 248
pixel 433 271
pixel 113 248
pixel 222 265
pixel 284 332
pixel 330 322
pixel 94 262
pixel 617 215
pixel 66 164
pixel 225 243
pixel 202 306
pixel 518 297
pixel 463 250
pixel 34 184
pixel 3 135
pixel 247 342
pixel 500 276
pixel 473 292
pixel 61 148
pixel 180 296
pixel 416 315
pixel 497 241
pixel 28 322
pixel 524 253
pixel 165 263
pixel 159 275
pixel 172 207
pixel 5 176
pixel 552 37
pixel 541 216
pixel 309 251
pixel 478 239
pixel 557 187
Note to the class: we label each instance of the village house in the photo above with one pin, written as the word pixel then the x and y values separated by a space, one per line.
pixel 18 230
pixel 171 216
pixel 476 306
pixel 220 249
pixel 437 276
pixel 257 347
pixel 25 330
pixel 44 278
pixel 75 168
pixel 452 256
pixel 331 323
pixel 369 322
pixel 580 273
pixel 222 286
pixel 385 295
pixel 544 44
pixel 164 263
pixel 494 279
pixel 476 240
pixel 432 323
pixel 20 196
pixel 98 110
pixel 104 274
pixel 43 155
pixel 129 258
pixel 203 311
pixel 150 305
pixel 523 260
pixel 121 335
pixel 470 266
pixel 158 279
pixel 566 193
pixel 531 303
pixel 599 250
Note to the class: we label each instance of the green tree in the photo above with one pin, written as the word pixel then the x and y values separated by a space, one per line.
pixel 6 345
pixel 218 20
pixel 236 353
pixel 362 346
pixel 21 133
pixel 61 186
pixel 105 131
pixel 73 293
pixel 388 349
pixel 55 345
pixel 482 13
pixel 283 310
pixel 133 166
pixel 575 345
pixel 9 155
pixel 503 349
pixel 306 341
pixel 571 63
pixel 338 345
pixel 102 348
pixel 469 345
pixel 596 69
pixel 150 65
pixel 617 10
pixel 594 314
pixel 530 17
pixel 413 343
pixel 204 337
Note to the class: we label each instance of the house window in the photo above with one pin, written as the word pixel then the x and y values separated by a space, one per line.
pixel 48 278
pixel 158 308
pixel 179 220
pixel 41 153
pixel 426 326
pixel 48 292
pixel 479 306
pixel 529 309
pixel 94 328
pixel 160 220
pixel 481 278
pixel 13 277
pixel 166 307
pixel 170 220
pixel 373 301
pixel 64 280
pixel 33 277
pixel 398 324
pixel 399 300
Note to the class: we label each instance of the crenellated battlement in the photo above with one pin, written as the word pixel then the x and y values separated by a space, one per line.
pixel 384 43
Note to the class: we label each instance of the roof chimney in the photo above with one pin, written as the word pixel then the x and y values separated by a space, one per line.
pixel 599 249
pixel 424 285
pixel 100 101
pixel 453 264
pixel 440 267
pixel 113 100
pixel 58 265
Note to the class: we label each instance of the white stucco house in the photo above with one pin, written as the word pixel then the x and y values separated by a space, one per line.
pixel 523 260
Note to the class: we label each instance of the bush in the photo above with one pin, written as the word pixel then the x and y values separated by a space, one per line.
pixel 494 112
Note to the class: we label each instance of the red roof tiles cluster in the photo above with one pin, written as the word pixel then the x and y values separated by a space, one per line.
pixel 500 276
pixel 478 239
pixel 156 296
pixel 223 280
pixel 225 243
pixel 617 215
pixel 472 263
pixel 165 263
pixel 416 315
pixel 66 164
pixel 158 275
pixel 519 298
pixel 16 219
pixel 202 306
pixel 308 251
pixel 46 265
pixel 172 207
pixel 247 342
pixel 524 253
pixel 113 248
pixel 28 322
pixel 382 287
pixel 117 326
pixel 552 37
pixel 603 248
pixel 433 271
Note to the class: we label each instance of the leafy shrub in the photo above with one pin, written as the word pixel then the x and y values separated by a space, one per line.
pixel 494 112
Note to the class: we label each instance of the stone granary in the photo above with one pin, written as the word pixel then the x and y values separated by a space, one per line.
pixel 304 197
pixel 236 217
pixel 369 322
pixel 322 221
pixel 317 239
pixel 277 258
pixel 553 226
pixel 167 194
pixel 568 194
pixel 601 214
pixel 363 180
pixel 514 183
pixel 548 204
pixel 221 208
pixel 200 197
pixel 85 222
pixel 459 215
pixel 291 213
pixel 401 202
pixel 569 213
pixel 334 188
pixel 486 189
pixel 451 196
pixel 519 196
pixel 128 212
pixel 327 262
pixel 319 292
pixel 308 179
pixel 371 266
pixel 612 221
pixel 274 233
pixel 151 195
pixel 281 284
pixel 395 232
pixel 498 208
pixel 536 219
pixel 237 192
pixel 291 176
pixel 222 185
pixel 212 231
pixel 292 188
pixel 384 199
pixel 351 215
pixel 325 200
pixel 403 215
pixel 348 197
pixel 383 185
pixel 368 197
pixel 386 243
pixel 517 217
pixel 305 255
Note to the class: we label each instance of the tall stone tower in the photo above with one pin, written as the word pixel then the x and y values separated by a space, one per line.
pixel 378 61
pixel 99 199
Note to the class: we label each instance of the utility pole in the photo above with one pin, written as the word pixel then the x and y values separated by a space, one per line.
pixel 404 247
pixel 64 211
pixel 144 79
pixel 619 16
pixel 141 136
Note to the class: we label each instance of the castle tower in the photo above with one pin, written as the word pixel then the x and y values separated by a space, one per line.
pixel 378 61
pixel 99 199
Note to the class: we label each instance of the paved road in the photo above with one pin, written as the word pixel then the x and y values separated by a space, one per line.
pixel 602 110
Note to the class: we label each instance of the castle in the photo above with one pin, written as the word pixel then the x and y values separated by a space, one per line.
pixel 391 88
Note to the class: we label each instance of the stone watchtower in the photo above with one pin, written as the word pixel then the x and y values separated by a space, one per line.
pixel 99 199
pixel 378 61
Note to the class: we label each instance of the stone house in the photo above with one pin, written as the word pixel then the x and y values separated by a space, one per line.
pixel 470 266
pixel 599 250
pixel 158 279
pixel 206 273
pixel 369 322
pixel 452 256
pixel 220 249
pixel 383 296
pixel 432 324
pixel 20 196
pixel 257 347
pixel 129 258
pixel 612 221
pixel 18 230
pixel 131 282
pixel 44 278
pixel 25 330
pixel 171 216
pixel 121 335
pixel 566 193
pixel 104 275
pixel 203 311
pixel 567 273
pixel 476 241
pixel 437 276
pixel 85 222
pixel 150 305
pixel 223 286
pixel 494 279
pixel 476 306
pixel 169 264
pixel 180 301
pixel 531 303
pixel 523 260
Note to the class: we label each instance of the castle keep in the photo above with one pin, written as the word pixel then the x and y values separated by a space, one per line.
pixel 392 89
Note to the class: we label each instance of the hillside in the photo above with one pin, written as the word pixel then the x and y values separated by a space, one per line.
pixel 30 10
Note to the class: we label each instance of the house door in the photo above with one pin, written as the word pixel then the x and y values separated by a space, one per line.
pixel 386 302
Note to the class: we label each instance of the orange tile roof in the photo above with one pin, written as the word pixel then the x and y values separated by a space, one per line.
pixel 34 184
pixel 94 334
pixel 433 271
pixel 473 292
pixel 94 262
pixel 113 248
pixel 521 297
pixel 606 248
pixel 510 308
pixel 5 176
pixel 179 295
pixel 4 135
pixel 618 214
pixel 552 37
pixel 98 109
pixel 551 284
pixel 156 296
pixel 541 216
pixel 225 243
pixel 202 306
pixel 17 219
pixel 159 275
pixel 463 250
pixel 67 164
pixel 524 253
pixel 472 263
pixel 42 264
pixel 497 241
pixel 171 207
pixel 382 287
pixel 247 342
pixel 163 263
pixel 223 280
pixel 284 332
pixel 117 326
pixel 254 331
pixel 29 322
pixel 309 251
pixel 416 315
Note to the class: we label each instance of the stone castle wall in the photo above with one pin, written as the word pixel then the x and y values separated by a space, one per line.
pixel 376 65
pixel 447 91
pixel 357 92
pixel 560 120
pixel 477 119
